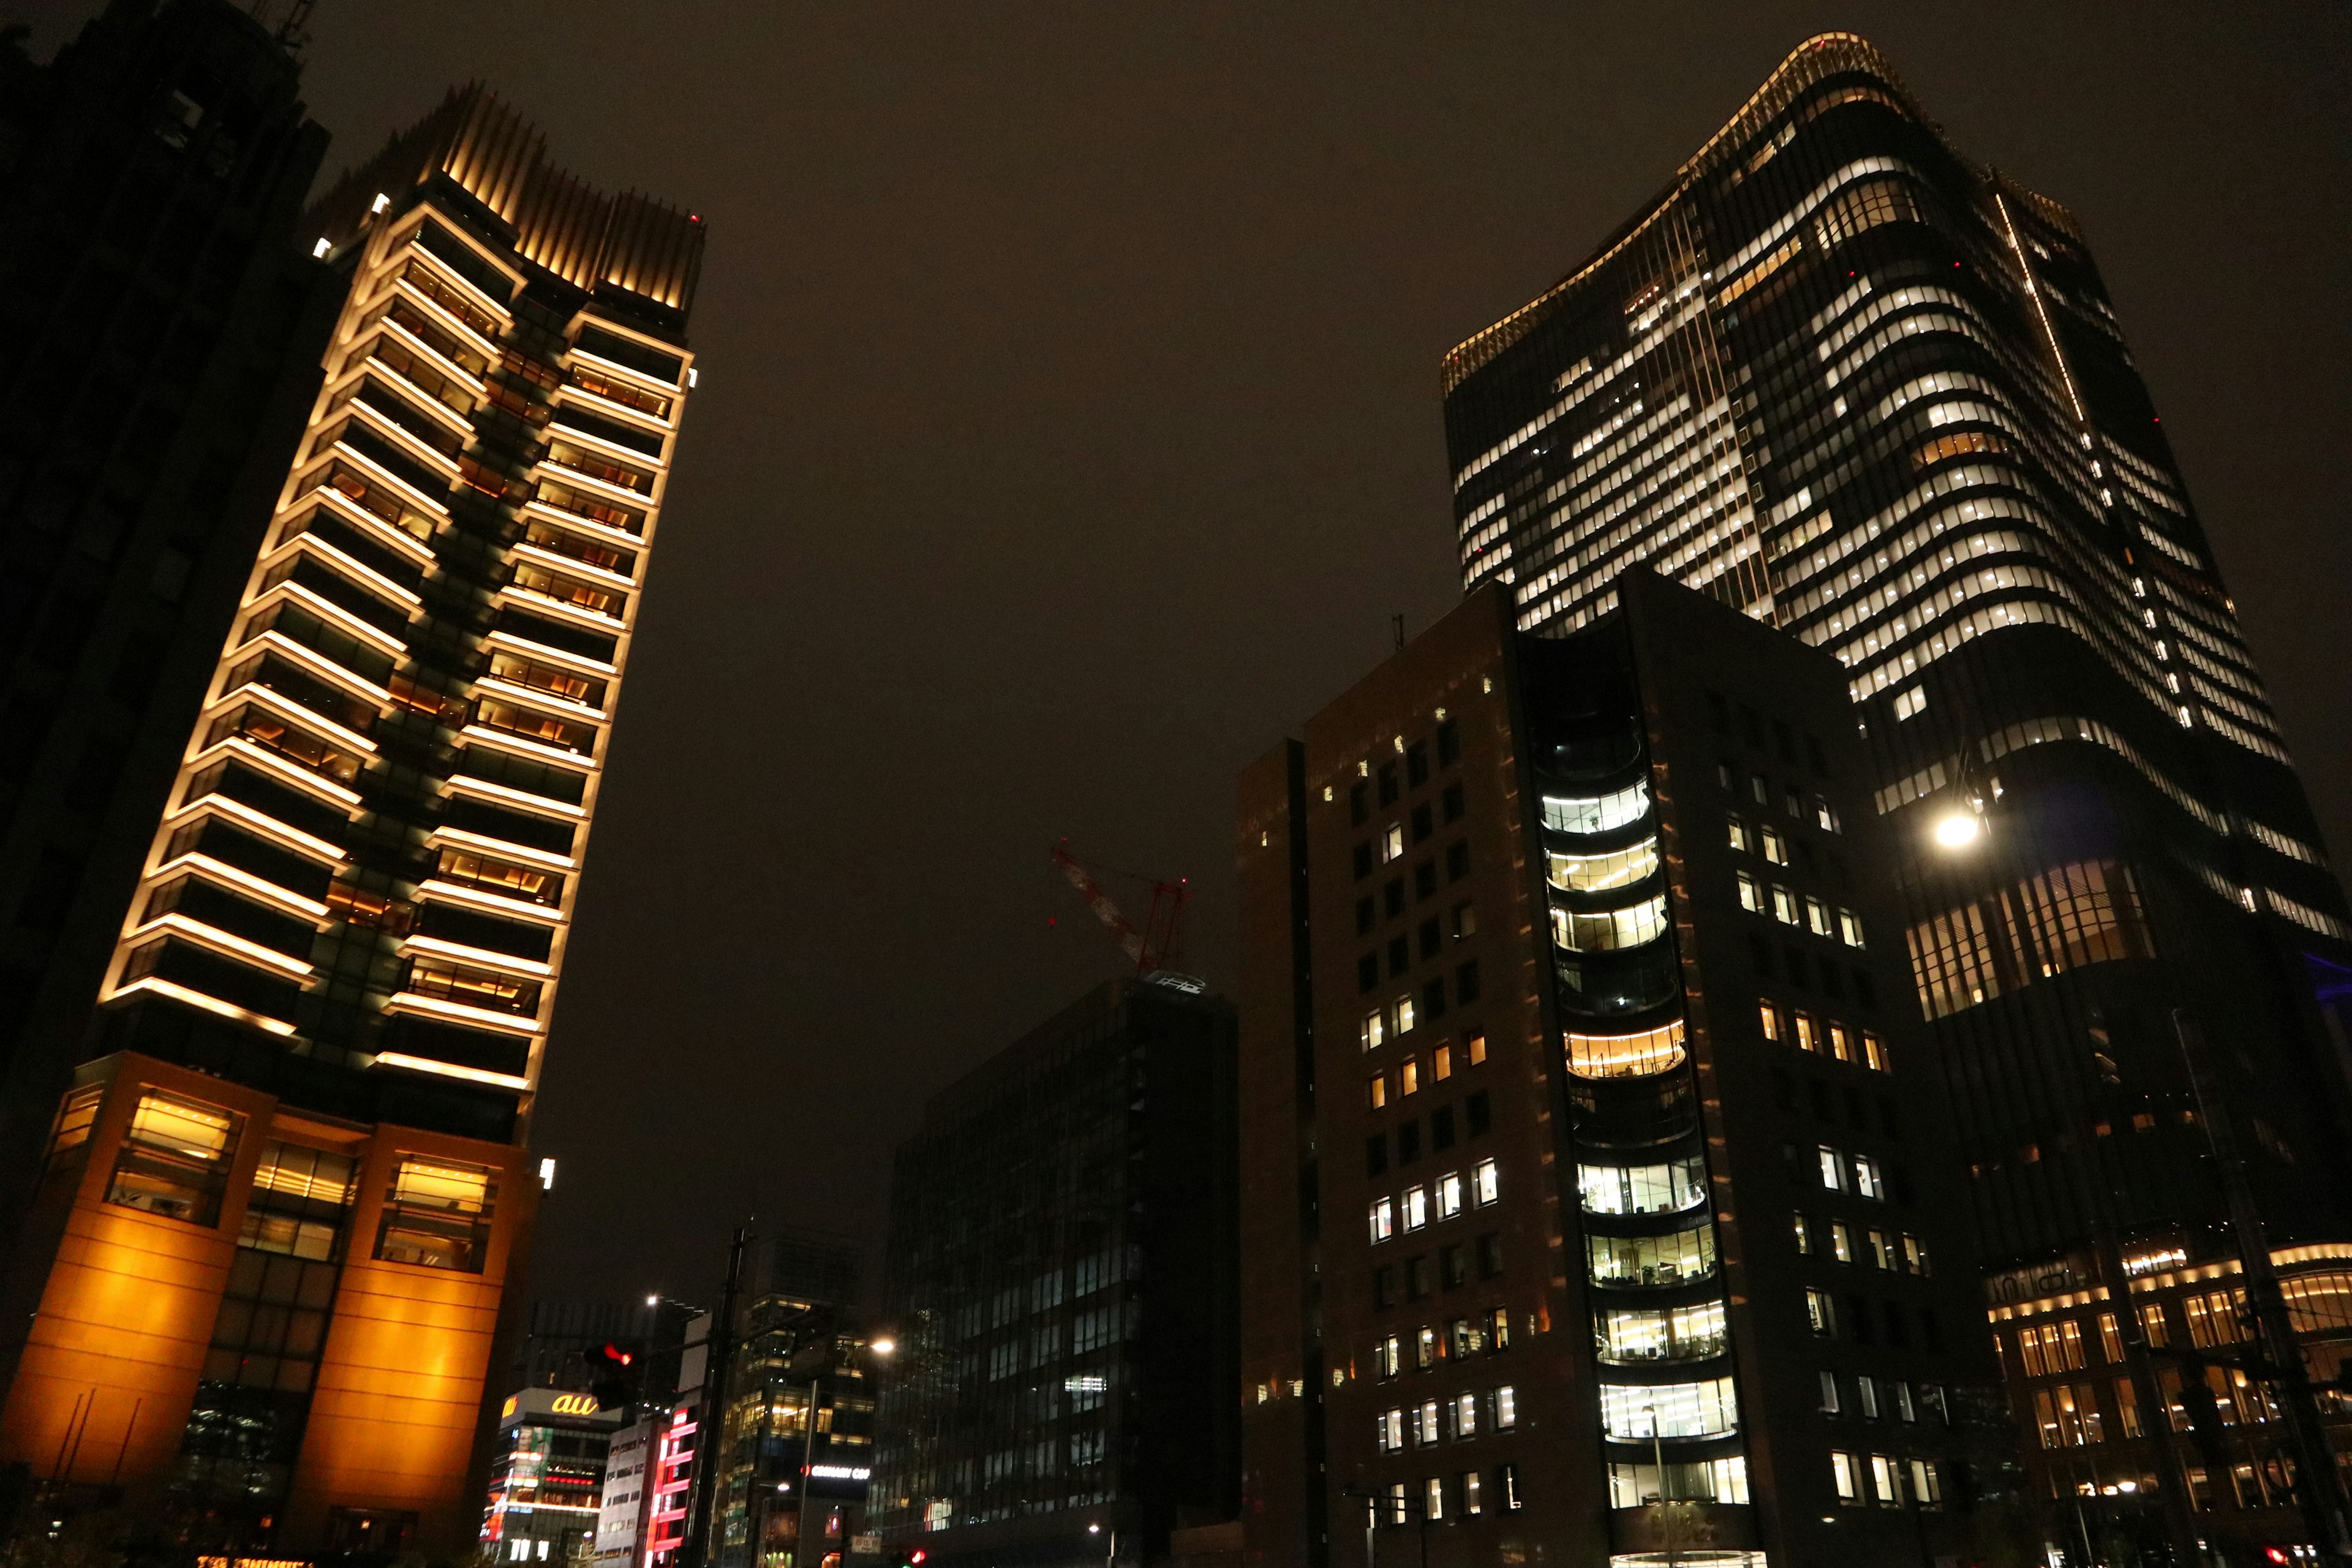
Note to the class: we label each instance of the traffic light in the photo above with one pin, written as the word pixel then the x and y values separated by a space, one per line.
pixel 609 1376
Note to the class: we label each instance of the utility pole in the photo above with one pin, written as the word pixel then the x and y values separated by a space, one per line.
pixel 717 1363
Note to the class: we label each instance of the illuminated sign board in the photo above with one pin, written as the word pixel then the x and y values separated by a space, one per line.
pixel 837 1480
pixel 558 1403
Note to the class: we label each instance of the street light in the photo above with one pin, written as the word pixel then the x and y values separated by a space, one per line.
pixel 1961 826
pixel 882 1346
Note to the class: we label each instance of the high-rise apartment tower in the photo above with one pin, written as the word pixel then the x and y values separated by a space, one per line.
pixel 1875 396
pixel 261 1272
pixel 1597 1206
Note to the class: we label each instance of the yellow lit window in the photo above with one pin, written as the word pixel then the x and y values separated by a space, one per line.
pixel 1440 1064
pixel 1476 1049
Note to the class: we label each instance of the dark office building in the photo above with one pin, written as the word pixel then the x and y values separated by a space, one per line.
pixel 159 338
pixel 258 1280
pixel 1593 1155
pixel 1874 395
pixel 1061 1290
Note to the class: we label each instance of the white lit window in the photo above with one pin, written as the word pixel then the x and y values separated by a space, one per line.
pixel 1866 1387
pixel 1425 1423
pixel 1817 916
pixel 1487 1184
pixel 1449 1194
pixel 1829 1393
pixel 1390 1356
pixel 1784 906
pixel 1404 1015
pixel 1507 1408
pixel 1833 1166
pixel 1391 1430
pixel 1383 1219
pixel 1416 1208
pixel 1849 928
pixel 1826 815
pixel 1900 1395
pixel 1927 1484
pixel 1847 1478
pixel 1776 849
pixel 1465 1416
pixel 1805 1233
pixel 1434 1491
pixel 1738 831
pixel 1470 1500
pixel 1866 1178
pixel 1751 896
pixel 1392 842
pixel 1375 1030
pixel 1886 1481
pixel 1841 1244
pixel 1911 703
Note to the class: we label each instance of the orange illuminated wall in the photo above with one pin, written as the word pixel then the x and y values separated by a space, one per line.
pixel 118 1339
pixel 110 1365
pixel 400 1386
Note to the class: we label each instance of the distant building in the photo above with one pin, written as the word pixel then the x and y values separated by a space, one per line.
pixel 1598 1205
pixel 1062 1285
pixel 547 1475
pixel 285 1183
pixel 796 1448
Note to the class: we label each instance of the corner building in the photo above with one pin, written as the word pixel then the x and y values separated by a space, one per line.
pixel 1874 394
pixel 284 1196
pixel 1594 1214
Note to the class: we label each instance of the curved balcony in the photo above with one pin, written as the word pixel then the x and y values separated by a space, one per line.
pixel 1664 1187
pixel 1617 984
pixel 1662 1336
pixel 1642 1412
pixel 1633 1114
pixel 1582 814
pixel 1650 1262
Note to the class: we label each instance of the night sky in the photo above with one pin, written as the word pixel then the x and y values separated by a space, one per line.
pixel 1070 431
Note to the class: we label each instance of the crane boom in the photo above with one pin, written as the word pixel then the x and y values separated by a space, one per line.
pixel 1099 901
pixel 1155 945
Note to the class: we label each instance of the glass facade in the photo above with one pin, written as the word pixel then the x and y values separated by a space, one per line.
pixel 1871 393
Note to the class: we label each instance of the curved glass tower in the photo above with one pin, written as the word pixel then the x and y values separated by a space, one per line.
pixel 1874 395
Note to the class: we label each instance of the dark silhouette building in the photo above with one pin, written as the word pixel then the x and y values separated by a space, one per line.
pixel 1875 396
pixel 161 332
pixel 1598 1204
pixel 1061 1290
pixel 259 1279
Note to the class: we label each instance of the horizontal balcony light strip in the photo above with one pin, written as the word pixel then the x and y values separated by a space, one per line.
pixel 227 943
pixel 282 771
pixel 440 361
pixel 261 822
pixel 465 784
pixel 402 1059
pixel 554 562
pixel 408 440
pixel 260 887
pixel 538 699
pixel 501 847
pixel 650 383
pixel 351 511
pixel 533 598
pixel 318 604
pixel 312 662
pixel 483 1017
pixel 438 506
pixel 487 957
pixel 372 580
pixel 605 405
pixel 523 745
pixel 500 638
pixel 179 992
pixel 286 708
pixel 434 891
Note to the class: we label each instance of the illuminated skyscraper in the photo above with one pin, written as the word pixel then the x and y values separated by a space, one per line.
pixel 261 1273
pixel 1587 1216
pixel 1874 395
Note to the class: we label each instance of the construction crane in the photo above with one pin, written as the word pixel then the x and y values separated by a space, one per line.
pixel 1154 947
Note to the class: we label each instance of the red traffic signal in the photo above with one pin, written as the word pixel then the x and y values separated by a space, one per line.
pixel 611 1355
pixel 917 1556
